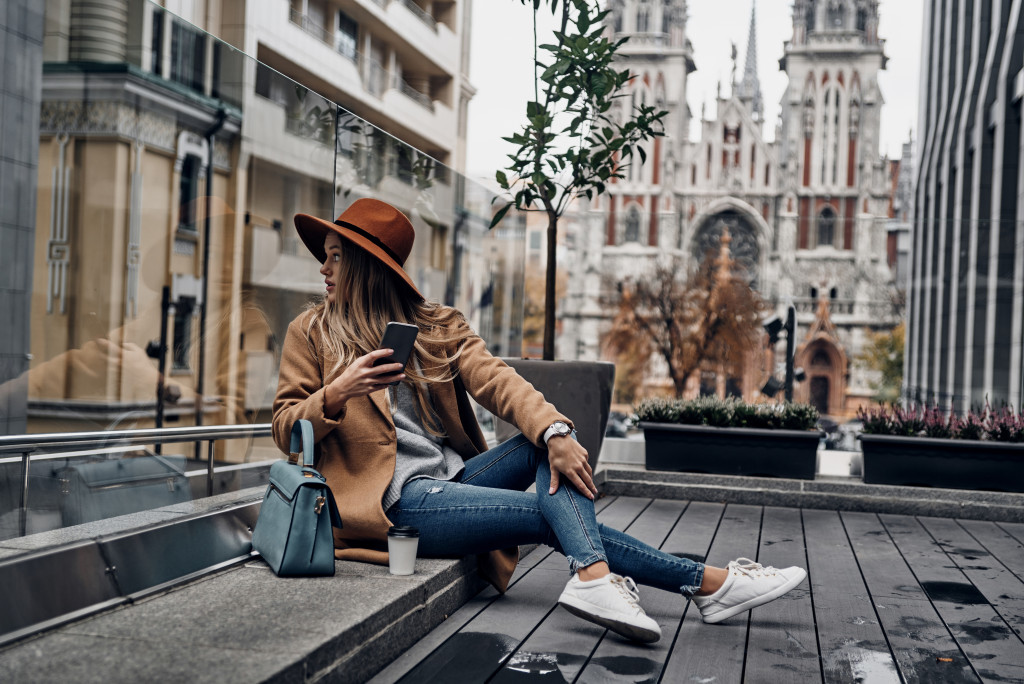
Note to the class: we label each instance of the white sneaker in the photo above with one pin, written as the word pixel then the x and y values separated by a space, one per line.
pixel 611 601
pixel 748 585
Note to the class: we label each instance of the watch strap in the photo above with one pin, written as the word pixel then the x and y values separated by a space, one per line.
pixel 551 432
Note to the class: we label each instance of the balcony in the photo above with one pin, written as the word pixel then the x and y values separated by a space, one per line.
pixel 421 14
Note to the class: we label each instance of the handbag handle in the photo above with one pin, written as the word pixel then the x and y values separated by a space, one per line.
pixel 302 440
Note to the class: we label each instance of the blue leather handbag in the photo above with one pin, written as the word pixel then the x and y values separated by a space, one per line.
pixel 293 531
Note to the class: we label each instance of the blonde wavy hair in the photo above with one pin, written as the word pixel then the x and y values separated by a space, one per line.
pixel 369 295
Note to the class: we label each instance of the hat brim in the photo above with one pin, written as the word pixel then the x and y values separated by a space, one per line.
pixel 313 231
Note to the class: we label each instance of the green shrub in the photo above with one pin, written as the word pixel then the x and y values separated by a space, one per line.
pixel 731 412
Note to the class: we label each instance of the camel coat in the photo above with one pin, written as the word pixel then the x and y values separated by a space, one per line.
pixel 356 449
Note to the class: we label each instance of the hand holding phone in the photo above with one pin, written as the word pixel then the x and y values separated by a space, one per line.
pixel 400 337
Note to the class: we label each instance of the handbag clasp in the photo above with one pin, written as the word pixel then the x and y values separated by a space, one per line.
pixel 320 501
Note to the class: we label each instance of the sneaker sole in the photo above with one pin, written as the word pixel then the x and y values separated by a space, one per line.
pixel 588 613
pixel 756 601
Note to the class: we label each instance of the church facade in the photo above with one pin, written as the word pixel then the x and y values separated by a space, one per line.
pixel 806 211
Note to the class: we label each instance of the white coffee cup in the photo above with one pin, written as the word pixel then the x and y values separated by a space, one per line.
pixel 402 543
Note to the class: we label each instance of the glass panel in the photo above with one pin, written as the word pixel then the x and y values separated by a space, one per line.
pixel 165 267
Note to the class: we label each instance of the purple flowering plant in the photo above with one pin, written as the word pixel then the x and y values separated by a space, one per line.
pixel 988 424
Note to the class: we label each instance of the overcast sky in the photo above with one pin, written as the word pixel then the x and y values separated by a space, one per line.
pixel 502 72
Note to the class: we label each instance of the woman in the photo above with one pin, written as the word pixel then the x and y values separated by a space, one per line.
pixel 412 453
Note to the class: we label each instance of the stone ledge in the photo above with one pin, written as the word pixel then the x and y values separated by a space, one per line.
pixel 837 494
pixel 244 624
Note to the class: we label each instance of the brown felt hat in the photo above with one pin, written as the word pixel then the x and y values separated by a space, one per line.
pixel 375 226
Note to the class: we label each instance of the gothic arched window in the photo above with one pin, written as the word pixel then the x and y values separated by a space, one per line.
pixel 826 227
pixel 862 19
pixel 632 225
pixel 836 15
pixel 643 15
pixel 811 11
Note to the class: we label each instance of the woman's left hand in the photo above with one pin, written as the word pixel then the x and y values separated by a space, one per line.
pixel 567 457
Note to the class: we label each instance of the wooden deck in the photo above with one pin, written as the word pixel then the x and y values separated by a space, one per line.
pixel 889 598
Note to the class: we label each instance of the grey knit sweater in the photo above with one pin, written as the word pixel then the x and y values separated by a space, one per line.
pixel 420 454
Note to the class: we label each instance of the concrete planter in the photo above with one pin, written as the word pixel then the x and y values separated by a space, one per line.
pixel 948 463
pixel 731 451
pixel 582 390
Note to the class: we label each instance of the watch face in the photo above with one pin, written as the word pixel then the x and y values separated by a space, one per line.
pixel 561 428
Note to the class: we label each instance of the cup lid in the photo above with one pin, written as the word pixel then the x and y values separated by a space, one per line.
pixel 403 531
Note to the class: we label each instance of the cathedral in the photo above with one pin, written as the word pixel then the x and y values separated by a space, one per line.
pixel 806 211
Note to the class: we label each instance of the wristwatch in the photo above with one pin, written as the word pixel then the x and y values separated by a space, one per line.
pixel 558 428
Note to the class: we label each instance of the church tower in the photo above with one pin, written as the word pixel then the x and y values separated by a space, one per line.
pixel 834 194
pixel 831 117
pixel 638 217
pixel 640 206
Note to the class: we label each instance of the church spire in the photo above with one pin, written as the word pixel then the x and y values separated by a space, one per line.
pixel 750 88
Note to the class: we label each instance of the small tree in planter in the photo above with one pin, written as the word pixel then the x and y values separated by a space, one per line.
pixel 730 437
pixel 573 144
pixel 929 446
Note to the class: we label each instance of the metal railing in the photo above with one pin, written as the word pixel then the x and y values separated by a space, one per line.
pixel 415 95
pixel 50 446
pixel 421 14
pixel 310 26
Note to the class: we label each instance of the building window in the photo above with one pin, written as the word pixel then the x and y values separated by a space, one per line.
pixel 633 225
pixel 826 227
pixel 183 333
pixel 837 15
pixel 535 238
pixel 708 384
pixel 643 14
pixel 188 193
pixel 811 11
pixel 345 35
pixel 862 19
pixel 188 55
pixel 156 54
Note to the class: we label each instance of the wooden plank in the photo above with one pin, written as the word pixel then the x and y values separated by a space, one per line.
pixel 782 645
pixel 1001 544
pixel 562 643
pixel 990 646
pixel 925 651
pixel 479 649
pixel 694 532
pixel 715 653
pixel 485 641
pixel 1003 590
pixel 615 660
pixel 621 513
pixel 853 646
pixel 1016 530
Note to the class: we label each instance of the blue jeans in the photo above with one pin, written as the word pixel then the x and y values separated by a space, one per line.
pixel 486 509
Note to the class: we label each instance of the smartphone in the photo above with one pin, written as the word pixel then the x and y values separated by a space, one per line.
pixel 400 337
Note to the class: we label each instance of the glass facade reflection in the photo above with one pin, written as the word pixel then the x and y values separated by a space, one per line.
pixel 153 262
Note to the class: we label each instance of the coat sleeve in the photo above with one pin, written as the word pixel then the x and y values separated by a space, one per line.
pixel 300 388
pixel 498 388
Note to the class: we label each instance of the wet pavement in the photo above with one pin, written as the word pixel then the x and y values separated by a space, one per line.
pixel 889 598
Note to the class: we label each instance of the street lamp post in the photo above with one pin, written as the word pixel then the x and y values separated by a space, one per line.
pixel 790 336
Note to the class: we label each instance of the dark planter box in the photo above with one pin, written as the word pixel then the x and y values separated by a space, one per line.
pixel 949 463
pixel 731 451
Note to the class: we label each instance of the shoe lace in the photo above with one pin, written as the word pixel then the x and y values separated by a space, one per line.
pixel 751 568
pixel 627 587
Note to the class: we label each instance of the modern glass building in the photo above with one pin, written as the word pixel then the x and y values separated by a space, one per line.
pixel 965 329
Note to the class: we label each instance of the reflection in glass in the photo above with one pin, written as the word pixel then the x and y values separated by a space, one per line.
pixel 164 264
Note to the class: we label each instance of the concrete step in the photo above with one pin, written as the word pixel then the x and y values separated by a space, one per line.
pixel 832 493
